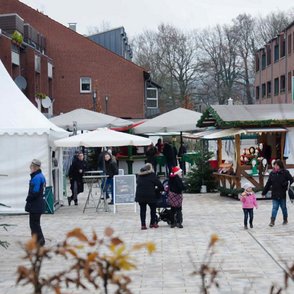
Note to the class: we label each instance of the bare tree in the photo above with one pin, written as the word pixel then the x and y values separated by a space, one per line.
pixel 272 24
pixel 244 28
pixel 103 27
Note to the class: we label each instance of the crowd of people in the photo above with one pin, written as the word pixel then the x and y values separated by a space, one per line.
pixel 149 189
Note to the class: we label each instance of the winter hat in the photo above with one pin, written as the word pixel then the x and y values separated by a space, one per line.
pixel 36 162
pixel 247 185
pixel 176 170
pixel 146 168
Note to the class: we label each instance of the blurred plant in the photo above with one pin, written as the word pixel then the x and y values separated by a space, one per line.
pixel 99 262
pixel 288 275
pixel 40 95
pixel 207 272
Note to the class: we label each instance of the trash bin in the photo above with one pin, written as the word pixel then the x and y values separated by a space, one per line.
pixel 49 200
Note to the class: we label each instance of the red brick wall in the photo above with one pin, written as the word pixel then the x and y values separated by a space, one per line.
pixel 75 56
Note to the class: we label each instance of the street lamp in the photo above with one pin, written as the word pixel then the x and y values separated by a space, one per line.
pixel 94 100
pixel 106 104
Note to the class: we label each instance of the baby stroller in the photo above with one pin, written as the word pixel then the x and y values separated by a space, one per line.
pixel 163 212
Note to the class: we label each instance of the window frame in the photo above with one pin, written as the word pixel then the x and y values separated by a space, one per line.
pixel 152 98
pixel 81 83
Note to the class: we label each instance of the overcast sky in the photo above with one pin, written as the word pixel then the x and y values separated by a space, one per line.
pixel 138 15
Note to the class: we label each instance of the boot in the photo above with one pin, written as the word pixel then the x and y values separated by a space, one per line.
pixel 69 199
pixel 285 220
pixel 179 219
pixel 272 223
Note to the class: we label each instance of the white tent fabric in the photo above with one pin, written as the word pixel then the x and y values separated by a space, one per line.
pixel 103 137
pixel 177 120
pixel 88 120
pixel 25 133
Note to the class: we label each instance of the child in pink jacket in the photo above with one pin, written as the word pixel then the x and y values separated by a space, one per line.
pixel 248 199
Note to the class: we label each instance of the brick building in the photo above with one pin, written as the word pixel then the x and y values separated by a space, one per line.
pixel 72 70
pixel 274 65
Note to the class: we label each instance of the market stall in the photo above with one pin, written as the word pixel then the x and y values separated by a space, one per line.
pixel 268 126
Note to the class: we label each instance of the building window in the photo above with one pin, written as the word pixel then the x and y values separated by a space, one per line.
pixel 269 89
pixel 282 83
pixel 282 42
pixel 289 81
pixel 289 44
pixel 268 55
pixel 277 86
pixel 50 70
pixel 276 53
pixel 152 98
pixel 15 58
pixel 85 85
pixel 263 90
pixel 37 63
pixel 257 62
pixel 263 61
pixel 257 92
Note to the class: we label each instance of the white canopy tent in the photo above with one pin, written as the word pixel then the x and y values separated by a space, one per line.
pixel 25 133
pixel 88 120
pixel 103 137
pixel 176 120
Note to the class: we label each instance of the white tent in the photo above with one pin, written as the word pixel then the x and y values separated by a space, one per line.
pixel 177 120
pixel 88 120
pixel 102 137
pixel 25 133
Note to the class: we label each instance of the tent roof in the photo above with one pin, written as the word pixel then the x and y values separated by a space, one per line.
pixel 177 120
pixel 88 120
pixel 257 115
pixel 17 114
pixel 102 137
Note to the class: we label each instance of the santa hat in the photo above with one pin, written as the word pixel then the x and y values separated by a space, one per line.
pixel 176 170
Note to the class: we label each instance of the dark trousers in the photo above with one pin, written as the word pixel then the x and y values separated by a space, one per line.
pixel 143 208
pixel 248 212
pixel 176 215
pixel 35 219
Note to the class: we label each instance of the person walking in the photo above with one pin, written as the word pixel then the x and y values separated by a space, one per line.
pixel 35 203
pixel 175 197
pixel 151 156
pixel 278 181
pixel 76 172
pixel 170 156
pixel 110 170
pixel 248 199
pixel 146 194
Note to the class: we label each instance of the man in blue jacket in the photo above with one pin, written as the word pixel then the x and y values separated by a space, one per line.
pixel 35 201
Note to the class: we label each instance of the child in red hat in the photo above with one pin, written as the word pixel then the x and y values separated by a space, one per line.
pixel 175 197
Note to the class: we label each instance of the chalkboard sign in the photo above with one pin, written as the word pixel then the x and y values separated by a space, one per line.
pixel 124 189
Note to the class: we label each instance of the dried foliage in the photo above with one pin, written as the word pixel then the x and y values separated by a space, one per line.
pixel 208 274
pixel 88 262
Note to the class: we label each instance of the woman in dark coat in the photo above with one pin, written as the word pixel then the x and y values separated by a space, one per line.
pixel 278 180
pixel 147 186
pixel 76 172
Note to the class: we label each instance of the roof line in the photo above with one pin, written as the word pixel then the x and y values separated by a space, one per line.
pixel 82 36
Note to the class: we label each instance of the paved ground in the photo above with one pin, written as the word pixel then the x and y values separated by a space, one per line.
pixel 249 261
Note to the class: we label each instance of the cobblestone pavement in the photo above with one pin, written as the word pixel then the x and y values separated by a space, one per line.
pixel 249 261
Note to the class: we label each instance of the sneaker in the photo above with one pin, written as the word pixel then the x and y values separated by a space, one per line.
pixel 251 226
pixel 110 203
pixel 154 226
pixel 143 228
pixel 180 226
pixel 245 227
pixel 76 202
pixel 173 226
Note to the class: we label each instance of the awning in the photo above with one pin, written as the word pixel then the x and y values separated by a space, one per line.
pixel 224 134
pixel 266 130
pixel 199 135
